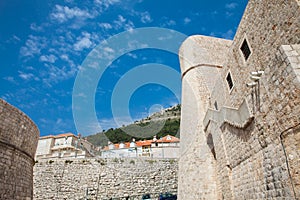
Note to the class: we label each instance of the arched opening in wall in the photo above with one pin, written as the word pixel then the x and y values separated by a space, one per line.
pixel 210 143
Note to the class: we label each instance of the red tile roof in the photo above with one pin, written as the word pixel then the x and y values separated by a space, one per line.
pixel 168 139
pixel 141 143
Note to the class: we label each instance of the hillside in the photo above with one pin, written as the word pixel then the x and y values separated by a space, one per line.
pixel 171 117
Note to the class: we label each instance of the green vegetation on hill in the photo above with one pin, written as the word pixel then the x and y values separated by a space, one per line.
pixel 152 125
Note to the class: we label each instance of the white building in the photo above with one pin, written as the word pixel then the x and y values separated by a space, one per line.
pixel 166 147
pixel 63 146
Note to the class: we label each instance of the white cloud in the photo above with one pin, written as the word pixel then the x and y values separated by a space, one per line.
pixel 108 50
pixel 168 22
pixel 25 76
pixel 10 79
pixel 81 95
pixel 106 3
pixel 134 44
pixel 106 53
pixel 132 55
pixel 48 58
pixel 60 125
pixel 64 57
pixel 107 123
pixel 120 21
pixel 231 6
pixel 94 128
pixel 29 68
pixel 145 17
pixel 16 38
pixel 64 13
pixel 36 28
pixel 187 20
pixel 33 46
pixel 106 26
pixel 168 37
pixel 123 23
pixel 129 26
pixel 228 35
pixel 54 74
pixel 83 42
pixel 229 14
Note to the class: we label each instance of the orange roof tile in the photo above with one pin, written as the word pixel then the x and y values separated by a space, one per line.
pixel 141 143
pixel 106 148
pixel 168 139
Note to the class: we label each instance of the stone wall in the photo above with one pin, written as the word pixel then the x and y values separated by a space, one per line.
pixel 201 58
pixel 104 178
pixel 18 142
pixel 253 132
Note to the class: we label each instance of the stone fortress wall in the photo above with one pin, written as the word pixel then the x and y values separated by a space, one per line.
pixel 18 142
pixel 244 142
pixel 97 178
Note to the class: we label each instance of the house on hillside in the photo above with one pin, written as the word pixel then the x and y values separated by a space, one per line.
pixel 165 147
pixel 65 145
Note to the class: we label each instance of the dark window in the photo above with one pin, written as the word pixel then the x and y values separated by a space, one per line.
pixel 229 81
pixel 245 49
pixel 216 105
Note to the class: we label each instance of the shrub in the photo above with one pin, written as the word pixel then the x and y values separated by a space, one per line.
pixel 102 162
pixel 51 161
pixel 68 161
pixel 132 162
pixel 151 161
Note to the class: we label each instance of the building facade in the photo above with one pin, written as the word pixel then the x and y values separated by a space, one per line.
pixel 240 117
pixel 65 145
pixel 165 147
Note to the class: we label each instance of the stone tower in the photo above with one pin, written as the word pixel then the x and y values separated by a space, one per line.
pixel 18 142
pixel 240 123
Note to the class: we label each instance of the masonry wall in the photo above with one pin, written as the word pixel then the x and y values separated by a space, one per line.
pixel 18 142
pixel 257 158
pixel 104 178
pixel 201 58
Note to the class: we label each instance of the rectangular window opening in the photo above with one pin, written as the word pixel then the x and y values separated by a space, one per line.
pixel 229 81
pixel 245 49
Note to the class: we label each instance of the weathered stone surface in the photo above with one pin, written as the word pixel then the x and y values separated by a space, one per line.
pixel 103 178
pixel 222 157
pixel 18 142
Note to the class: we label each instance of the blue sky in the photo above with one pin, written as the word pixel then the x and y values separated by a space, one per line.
pixel 43 45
